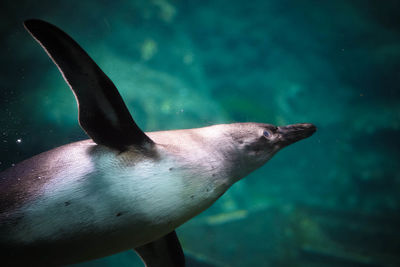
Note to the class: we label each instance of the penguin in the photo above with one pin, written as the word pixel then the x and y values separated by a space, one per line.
pixel 122 188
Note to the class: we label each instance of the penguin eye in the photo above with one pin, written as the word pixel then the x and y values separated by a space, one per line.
pixel 266 133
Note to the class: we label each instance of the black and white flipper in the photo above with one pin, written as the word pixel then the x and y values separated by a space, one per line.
pixel 163 252
pixel 103 114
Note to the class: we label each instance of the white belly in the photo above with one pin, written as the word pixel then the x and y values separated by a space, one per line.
pixel 130 204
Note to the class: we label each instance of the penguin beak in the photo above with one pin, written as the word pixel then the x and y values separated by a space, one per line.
pixel 290 134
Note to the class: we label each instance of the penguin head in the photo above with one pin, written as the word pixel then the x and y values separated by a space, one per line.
pixel 253 144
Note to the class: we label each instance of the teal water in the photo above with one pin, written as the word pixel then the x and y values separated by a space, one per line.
pixel 330 200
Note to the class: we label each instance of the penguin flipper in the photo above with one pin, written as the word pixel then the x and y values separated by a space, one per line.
pixel 165 251
pixel 103 114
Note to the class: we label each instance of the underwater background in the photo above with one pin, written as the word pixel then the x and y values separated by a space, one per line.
pixel 330 200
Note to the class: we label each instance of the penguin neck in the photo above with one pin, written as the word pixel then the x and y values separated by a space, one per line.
pixel 197 154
